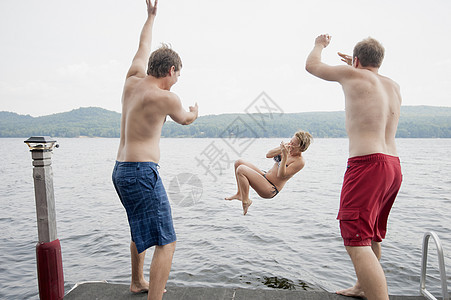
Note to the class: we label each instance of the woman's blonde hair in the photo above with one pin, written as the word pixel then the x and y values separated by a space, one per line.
pixel 305 139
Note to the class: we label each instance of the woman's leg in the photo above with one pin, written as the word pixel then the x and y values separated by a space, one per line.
pixel 247 176
pixel 238 163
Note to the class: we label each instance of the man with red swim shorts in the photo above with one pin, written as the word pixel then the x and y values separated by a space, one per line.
pixel 373 176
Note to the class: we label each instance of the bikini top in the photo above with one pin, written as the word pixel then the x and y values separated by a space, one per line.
pixel 277 159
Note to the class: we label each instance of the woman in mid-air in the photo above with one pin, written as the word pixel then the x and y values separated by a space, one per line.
pixel 288 161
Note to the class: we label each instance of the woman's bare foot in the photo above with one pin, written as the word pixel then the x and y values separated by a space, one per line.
pixel 355 291
pixel 237 196
pixel 246 206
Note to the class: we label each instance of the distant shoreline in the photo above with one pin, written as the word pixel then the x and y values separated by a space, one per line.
pixel 95 122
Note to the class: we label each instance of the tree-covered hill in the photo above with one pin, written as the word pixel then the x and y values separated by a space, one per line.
pixel 425 122
pixel 87 121
pixel 415 122
pixel 319 124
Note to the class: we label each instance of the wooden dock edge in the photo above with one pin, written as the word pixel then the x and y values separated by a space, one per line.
pixel 108 291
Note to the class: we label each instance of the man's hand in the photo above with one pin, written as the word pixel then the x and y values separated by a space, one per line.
pixel 139 63
pixel 323 40
pixel 151 9
pixel 316 67
pixel 194 109
pixel 345 58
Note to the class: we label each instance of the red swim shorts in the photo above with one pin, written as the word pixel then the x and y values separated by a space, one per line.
pixel 370 186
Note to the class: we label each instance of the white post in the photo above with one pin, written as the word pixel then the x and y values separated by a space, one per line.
pixel 48 249
pixel 44 195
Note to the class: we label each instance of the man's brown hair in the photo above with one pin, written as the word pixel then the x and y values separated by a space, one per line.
pixel 304 138
pixel 161 61
pixel 369 52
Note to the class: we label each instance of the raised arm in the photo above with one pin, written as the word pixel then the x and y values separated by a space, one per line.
pixel 316 67
pixel 139 63
pixel 273 152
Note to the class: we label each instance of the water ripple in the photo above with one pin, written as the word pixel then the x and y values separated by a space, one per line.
pixel 291 241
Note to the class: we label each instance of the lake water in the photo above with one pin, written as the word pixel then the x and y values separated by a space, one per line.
pixel 291 241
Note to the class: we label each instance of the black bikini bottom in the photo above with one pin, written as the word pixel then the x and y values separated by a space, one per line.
pixel 276 191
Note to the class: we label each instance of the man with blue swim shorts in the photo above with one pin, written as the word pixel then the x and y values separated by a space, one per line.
pixel 146 102
pixel 373 176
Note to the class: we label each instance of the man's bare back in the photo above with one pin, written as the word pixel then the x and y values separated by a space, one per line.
pixel 372 113
pixel 372 101
pixel 145 105
pixel 147 100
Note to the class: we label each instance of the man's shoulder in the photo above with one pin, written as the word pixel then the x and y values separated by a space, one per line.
pixel 164 99
pixel 133 83
pixel 147 88
pixel 162 95
pixel 388 80
pixel 368 77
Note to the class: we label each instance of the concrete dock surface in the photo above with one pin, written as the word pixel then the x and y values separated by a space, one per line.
pixel 109 291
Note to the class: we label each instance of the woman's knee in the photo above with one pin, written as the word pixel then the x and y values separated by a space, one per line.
pixel 242 170
pixel 239 162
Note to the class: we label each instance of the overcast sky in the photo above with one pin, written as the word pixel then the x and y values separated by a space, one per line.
pixel 59 55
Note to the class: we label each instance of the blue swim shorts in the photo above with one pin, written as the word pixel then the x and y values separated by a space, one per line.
pixel 144 198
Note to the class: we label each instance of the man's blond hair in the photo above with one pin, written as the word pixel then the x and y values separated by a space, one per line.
pixel 369 52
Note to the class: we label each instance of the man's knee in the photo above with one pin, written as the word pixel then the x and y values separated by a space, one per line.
pixel 168 247
pixel 377 249
pixel 375 244
pixel 350 249
pixel 357 252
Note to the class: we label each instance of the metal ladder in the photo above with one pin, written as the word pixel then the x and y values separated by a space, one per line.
pixel 441 261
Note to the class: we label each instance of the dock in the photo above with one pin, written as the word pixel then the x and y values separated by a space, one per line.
pixel 109 291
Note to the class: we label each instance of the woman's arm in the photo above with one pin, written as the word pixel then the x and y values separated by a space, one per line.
pixel 282 171
pixel 273 152
pixel 276 151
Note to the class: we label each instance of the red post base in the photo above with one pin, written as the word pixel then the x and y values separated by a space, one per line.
pixel 50 270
